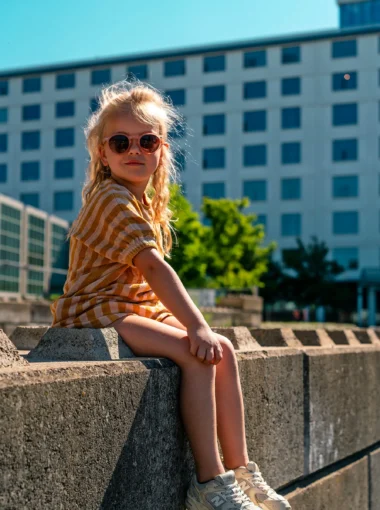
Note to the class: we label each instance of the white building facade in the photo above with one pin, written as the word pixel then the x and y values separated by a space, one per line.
pixel 293 123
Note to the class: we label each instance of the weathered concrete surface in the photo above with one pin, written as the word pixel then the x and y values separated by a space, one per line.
pixel 27 337
pixel 374 479
pixel 240 337
pixel 367 336
pixel 314 337
pixel 275 337
pixel 9 357
pixel 99 435
pixel 344 489
pixel 343 402
pixel 343 337
pixel 83 344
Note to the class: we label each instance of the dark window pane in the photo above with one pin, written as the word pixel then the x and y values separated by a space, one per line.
pixel 177 96
pixel 345 150
pixel 174 68
pixel 64 169
pixel 345 186
pixel 94 104
pixel 30 140
pixel 255 121
pixel 63 201
pixel 255 89
pixel 347 257
pixel 214 124
pixel 178 130
pixel 65 109
pixel 31 112
pixel 3 142
pixel 291 55
pixel 65 81
pixel 346 222
pixel 344 81
pixel 291 188
pixel 255 190
pixel 213 190
pixel 32 199
pixel 30 171
pixel 342 49
pixel 214 93
pixel 3 115
pixel 290 86
pixel 180 159
pixel 344 114
pixel 3 87
pixel 291 224
pixel 291 118
pixel 64 137
pixel 3 172
pixel 139 71
pixel 31 84
pixel 291 153
pixel 214 64
pixel 255 58
pixel 255 155
pixel 100 76
pixel 214 158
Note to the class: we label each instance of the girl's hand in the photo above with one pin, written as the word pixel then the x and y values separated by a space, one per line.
pixel 204 344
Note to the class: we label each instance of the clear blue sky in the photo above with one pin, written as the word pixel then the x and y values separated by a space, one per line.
pixel 37 32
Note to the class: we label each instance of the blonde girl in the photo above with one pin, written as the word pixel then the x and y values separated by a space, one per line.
pixel 118 278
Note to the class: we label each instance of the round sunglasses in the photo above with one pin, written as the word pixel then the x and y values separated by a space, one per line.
pixel 119 143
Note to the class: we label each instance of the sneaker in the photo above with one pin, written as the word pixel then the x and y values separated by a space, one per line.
pixel 220 493
pixel 252 483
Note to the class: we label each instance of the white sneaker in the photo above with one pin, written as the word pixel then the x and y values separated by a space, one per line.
pixel 252 483
pixel 220 493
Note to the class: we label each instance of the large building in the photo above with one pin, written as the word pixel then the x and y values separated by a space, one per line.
pixel 291 122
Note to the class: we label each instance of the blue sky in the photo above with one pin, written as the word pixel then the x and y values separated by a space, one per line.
pixel 37 32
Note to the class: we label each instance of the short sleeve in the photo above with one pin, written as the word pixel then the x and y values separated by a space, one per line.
pixel 115 229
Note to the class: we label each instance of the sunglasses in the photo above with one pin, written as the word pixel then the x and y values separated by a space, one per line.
pixel 149 143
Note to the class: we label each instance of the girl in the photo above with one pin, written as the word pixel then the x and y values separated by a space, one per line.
pixel 118 278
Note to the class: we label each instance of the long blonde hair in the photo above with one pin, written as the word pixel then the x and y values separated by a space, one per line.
pixel 148 105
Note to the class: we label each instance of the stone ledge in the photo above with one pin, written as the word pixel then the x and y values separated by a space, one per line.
pixel 9 357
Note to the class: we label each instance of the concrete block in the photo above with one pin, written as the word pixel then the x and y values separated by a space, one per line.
pixel 374 480
pixel 343 403
pixel 366 336
pixel 240 337
pixel 314 337
pixel 343 336
pixel 27 337
pixel 346 488
pixel 80 344
pixel 275 337
pixel 9 357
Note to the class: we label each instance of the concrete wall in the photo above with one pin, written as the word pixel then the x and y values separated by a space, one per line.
pixel 108 434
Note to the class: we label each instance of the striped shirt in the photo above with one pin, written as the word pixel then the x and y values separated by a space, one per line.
pixel 102 283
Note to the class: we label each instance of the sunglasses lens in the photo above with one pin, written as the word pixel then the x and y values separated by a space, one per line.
pixel 119 143
pixel 149 143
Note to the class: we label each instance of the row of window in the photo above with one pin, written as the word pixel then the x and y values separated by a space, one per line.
pixel 62 200
pixel 30 170
pixel 215 63
pixel 31 140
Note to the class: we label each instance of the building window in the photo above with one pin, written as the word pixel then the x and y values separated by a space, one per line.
pixel 255 58
pixel 291 118
pixel 359 13
pixel 291 55
pixel 180 159
pixel 214 158
pixel 291 86
pixel 3 142
pixel 65 109
pixel 344 81
pixel 214 124
pixel 345 114
pixel 31 85
pixel 345 150
pixel 343 49
pixel 65 81
pixel 255 89
pixel 94 104
pixel 177 96
pixel 255 190
pixel 64 137
pixel 261 220
pixel 255 121
pixel 291 188
pixel 31 112
pixel 3 115
pixel 63 200
pixel 255 155
pixel 345 222
pixel 214 64
pixel 63 168
pixel 347 257
pixel 291 153
pixel 100 76
pixel 138 71
pixel 32 199
pixel 178 130
pixel 3 87
pixel 175 68
pixel 30 171
pixel 30 140
pixel 345 186
pixel 214 94
pixel 3 172
pixel 213 190
pixel 291 224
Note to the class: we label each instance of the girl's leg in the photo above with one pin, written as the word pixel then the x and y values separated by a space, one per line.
pixel 148 337
pixel 229 404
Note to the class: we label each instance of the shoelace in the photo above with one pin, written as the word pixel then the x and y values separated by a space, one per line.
pixel 234 494
pixel 259 481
